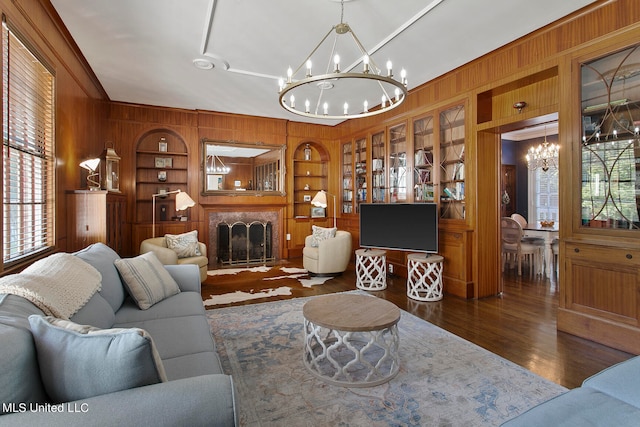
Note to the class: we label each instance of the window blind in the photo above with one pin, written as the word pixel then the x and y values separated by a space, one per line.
pixel 28 151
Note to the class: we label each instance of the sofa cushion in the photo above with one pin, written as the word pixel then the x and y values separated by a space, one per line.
pixel 102 257
pixel 179 305
pixel 78 361
pixel 19 374
pixel 185 245
pixel 578 408
pixel 619 381
pixel 146 279
pixel 97 312
pixel 321 233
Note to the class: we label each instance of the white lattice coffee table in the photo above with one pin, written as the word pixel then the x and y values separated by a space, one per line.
pixel 424 277
pixel 351 340
pixel 371 269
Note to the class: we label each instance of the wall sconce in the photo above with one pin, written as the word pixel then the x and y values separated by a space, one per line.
pixel 93 179
pixel 519 106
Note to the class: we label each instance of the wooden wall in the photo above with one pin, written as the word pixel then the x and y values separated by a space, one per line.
pixel 81 104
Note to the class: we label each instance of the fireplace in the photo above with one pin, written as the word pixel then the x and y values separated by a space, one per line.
pixel 264 221
pixel 244 243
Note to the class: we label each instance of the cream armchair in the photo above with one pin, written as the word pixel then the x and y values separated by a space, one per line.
pixel 158 245
pixel 332 255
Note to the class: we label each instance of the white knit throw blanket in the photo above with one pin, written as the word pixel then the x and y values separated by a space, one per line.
pixel 59 285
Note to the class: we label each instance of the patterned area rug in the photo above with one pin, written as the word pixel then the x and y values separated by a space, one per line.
pixel 443 379
pixel 264 282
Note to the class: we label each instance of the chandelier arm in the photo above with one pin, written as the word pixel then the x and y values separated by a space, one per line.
pixel 304 62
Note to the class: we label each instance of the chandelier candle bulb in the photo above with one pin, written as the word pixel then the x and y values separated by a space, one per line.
pixel 346 108
pixel 366 106
pixel 308 68
pixel 336 61
pixel 325 107
pixel 365 62
pixel 397 94
pixel 289 74
pixel 307 103
pixel 292 100
pixel 389 69
pixel 403 76
pixel 384 101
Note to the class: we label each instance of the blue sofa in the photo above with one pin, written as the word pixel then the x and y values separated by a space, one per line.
pixel 196 391
pixel 608 398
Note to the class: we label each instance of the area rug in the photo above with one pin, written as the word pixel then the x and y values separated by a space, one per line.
pixel 443 379
pixel 273 282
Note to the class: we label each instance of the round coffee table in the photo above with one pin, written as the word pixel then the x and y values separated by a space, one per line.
pixel 351 340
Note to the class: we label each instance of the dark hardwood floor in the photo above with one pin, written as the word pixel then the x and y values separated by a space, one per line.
pixel 519 325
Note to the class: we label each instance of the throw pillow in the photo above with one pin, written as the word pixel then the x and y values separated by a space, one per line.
pixel 79 361
pixel 146 279
pixel 321 233
pixel 185 245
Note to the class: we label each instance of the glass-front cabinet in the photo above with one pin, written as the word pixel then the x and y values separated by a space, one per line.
pixel 347 177
pixel 361 171
pixel 610 171
pixel 398 163
pixel 452 142
pixel 423 172
pixel 378 176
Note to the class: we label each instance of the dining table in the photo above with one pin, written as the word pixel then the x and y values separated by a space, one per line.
pixel 548 234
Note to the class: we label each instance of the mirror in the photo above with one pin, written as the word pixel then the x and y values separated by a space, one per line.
pixel 236 168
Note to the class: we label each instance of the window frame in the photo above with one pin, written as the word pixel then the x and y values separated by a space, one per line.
pixel 28 151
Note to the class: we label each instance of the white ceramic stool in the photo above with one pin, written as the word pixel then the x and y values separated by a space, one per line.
pixel 371 269
pixel 424 278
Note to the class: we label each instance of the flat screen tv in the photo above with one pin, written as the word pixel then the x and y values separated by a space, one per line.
pixel 399 226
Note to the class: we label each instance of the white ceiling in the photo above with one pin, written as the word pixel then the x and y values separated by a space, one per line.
pixel 143 51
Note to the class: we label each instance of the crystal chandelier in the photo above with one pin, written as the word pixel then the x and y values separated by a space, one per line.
pixel 338 93
pixel 544 155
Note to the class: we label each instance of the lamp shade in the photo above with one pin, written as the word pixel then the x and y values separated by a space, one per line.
pixel 183 201
pixel 90 164
pixel 320 199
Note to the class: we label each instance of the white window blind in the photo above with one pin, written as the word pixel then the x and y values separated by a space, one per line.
pixel 28 151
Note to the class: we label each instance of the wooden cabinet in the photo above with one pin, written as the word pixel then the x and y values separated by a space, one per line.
pixel 96 216
pixel 600 299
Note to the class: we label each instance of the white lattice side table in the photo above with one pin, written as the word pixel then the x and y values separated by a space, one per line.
pixel 351 340
pixel 371 269
pixel 424 278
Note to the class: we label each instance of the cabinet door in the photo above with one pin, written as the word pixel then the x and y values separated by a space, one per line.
pixel 452 141
pixel 361 171
pixel 347 178
pixel 378 176
pixel 423 159
pixel 398 163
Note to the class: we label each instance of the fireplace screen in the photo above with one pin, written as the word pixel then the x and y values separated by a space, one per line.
pixel 244 243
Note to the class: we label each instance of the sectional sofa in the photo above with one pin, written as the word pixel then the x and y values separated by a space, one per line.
pixel 608 398
pixel 112 362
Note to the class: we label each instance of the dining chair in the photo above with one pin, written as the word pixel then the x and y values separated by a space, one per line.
pixel 515 250
pixel 523 223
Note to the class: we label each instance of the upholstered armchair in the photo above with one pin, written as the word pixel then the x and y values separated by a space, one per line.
pixel 329 256
pixel 158 245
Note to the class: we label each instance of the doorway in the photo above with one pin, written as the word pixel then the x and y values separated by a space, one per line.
pixel 529 188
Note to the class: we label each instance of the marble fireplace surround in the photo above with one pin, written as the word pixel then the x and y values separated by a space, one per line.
pixel 246 216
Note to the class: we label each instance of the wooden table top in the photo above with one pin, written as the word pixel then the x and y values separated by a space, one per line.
pixel 351 313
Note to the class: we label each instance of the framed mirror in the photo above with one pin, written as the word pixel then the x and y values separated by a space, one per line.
pixel 238 168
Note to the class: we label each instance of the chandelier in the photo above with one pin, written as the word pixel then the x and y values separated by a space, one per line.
pixel 544 155
pixel 338 93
